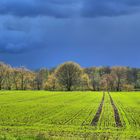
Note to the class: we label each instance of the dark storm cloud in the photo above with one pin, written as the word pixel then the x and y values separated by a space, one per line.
pixel 55 8
pixel 48 32
pixel 68 8
pixel 13 48
pixel 97 8
pixel 19 35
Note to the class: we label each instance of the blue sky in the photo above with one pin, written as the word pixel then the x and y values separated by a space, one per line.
pixel 45 33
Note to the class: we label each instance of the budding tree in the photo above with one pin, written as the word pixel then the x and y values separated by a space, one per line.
pixel 68 75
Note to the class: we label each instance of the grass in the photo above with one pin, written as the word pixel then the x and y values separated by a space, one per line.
pixel 67 115
pixel 129 108
pixel 107 117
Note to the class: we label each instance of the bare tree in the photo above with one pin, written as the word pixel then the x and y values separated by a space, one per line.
pixel 120 74
pixel 8 80
pixel 41 78
pixel 68 75
pixel 51 83
pixel 26 78
pixel 3 70
pixel 107 82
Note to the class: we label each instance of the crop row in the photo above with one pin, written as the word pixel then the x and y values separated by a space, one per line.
pixel 57 108
pixel 128 106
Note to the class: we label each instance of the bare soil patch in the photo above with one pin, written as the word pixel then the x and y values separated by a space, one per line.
pixel 98 113
pixel 116 113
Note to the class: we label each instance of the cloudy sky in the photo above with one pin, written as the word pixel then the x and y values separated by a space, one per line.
pixel 45 33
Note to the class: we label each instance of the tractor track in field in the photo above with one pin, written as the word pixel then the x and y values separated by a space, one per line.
pixel 98 113
pixel 116 113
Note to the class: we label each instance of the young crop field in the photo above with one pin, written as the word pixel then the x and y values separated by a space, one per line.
pixel 69 115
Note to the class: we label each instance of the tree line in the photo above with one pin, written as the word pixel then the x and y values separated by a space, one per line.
pixel 68 77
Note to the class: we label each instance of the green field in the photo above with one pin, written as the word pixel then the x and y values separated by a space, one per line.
pixel 68 115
